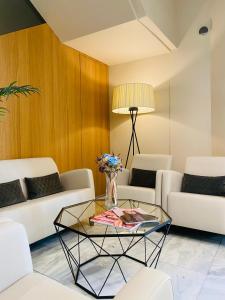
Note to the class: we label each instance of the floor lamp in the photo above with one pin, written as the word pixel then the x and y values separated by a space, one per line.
pixel 133 99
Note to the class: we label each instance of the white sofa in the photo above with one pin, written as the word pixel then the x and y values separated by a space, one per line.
pixel 19 282
pixel 197 211
pixel 153 162
pixel 37 215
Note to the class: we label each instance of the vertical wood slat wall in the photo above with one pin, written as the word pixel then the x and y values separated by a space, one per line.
pixel 69 120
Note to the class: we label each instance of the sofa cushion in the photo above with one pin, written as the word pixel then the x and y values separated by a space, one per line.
pixel 42 186
pixel 13 169
pixel 203 185
pixel 11 193
pixel 136 193
pixel 36 286
pixel 143 178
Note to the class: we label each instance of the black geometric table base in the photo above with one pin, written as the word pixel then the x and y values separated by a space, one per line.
pixel 73 255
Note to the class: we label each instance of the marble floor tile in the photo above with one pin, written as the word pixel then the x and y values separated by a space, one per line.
pixel 213 288
pixel 190 253
pixel 214 285
pixel 186 283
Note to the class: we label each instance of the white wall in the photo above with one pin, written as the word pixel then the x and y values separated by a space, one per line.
pixel 186 13
pixel 181 124
pixel 218 76
pixel 191 95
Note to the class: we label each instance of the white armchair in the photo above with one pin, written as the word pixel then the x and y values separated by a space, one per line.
pixel 19 282
pixel 197 211
pixel 146 162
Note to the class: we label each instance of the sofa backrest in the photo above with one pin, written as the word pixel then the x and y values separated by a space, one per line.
pixel 28 167
pixel 15 258
pixel 152 162
pixel 205 165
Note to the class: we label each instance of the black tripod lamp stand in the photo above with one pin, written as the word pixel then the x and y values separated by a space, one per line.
pixel 133 98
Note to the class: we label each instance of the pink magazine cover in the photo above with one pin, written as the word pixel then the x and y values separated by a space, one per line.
pixel 110 218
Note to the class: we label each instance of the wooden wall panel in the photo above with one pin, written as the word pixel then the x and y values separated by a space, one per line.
pixel 69 119
pixel 95 117
pixel 9 131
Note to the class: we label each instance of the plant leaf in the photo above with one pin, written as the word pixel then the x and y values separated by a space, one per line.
pixel 13 89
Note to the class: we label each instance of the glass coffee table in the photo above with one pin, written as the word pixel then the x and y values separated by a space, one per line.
pixel 88 243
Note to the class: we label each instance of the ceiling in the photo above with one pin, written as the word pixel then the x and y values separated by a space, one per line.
pixel 112 31
pixel 119 44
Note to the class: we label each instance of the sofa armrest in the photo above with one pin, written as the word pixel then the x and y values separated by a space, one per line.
pixel 158 187
pixel 15 258
pixel 77 179
pixel 157 286
pixel 171 182
pixel 123 177
pixel 3 220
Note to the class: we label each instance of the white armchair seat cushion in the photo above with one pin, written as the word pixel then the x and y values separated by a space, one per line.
pixel 136 193
pixel 148 284
pixel 202 212
pixel 40 213
pixel 38 287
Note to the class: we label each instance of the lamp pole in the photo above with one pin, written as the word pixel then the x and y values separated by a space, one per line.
pixel 133 115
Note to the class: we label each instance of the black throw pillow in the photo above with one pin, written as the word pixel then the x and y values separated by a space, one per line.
pixel 11 193
pixel 205 185
pixel 38 187
pixel 143 178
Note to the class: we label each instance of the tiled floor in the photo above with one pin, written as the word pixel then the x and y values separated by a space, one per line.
pixel 195 260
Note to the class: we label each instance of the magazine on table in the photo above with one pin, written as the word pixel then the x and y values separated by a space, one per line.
pixel 110 218
pixel 129 219
pixel 134 215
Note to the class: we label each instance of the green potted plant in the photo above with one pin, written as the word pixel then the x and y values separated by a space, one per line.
pixel 13 89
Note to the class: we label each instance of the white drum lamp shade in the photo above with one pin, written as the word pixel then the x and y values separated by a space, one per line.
pixel 133 95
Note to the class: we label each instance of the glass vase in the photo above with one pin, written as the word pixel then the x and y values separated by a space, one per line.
pixel 111 190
